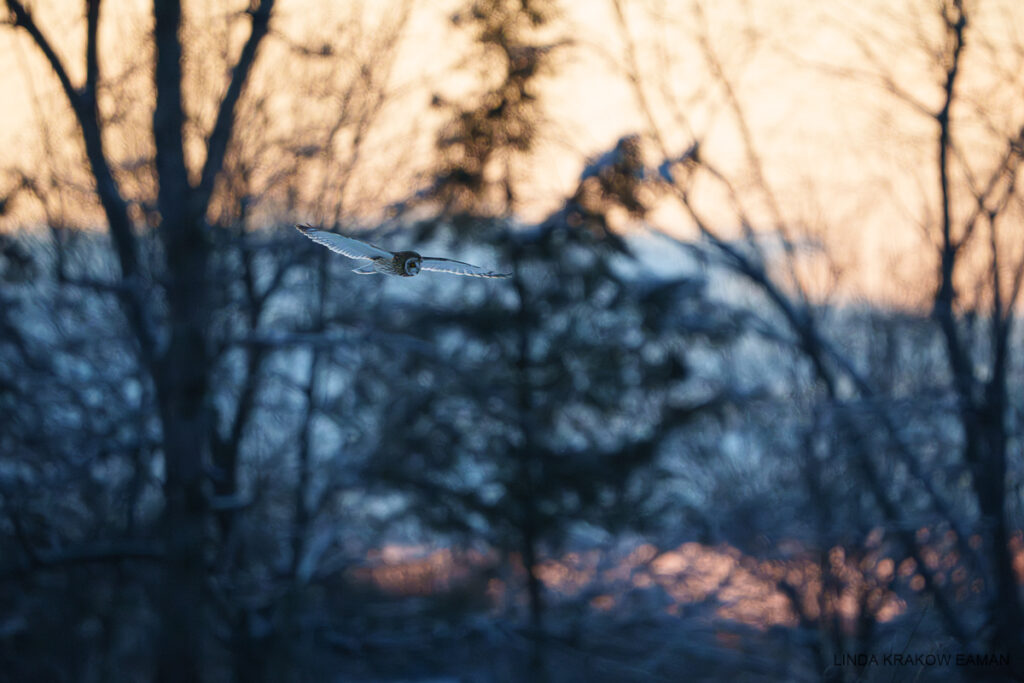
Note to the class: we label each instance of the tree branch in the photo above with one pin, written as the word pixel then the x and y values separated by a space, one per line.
pixel 819 351
pixel 23 19
pixel 220 136
pixel 107 190
pixel 963 377
pixel 92 62
pixel 98 553
pixel 169 117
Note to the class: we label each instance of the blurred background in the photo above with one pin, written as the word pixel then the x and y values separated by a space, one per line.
pixel 749 407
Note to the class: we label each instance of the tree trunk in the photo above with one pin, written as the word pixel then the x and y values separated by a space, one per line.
pixel 527 514
pixel 182 372
pixel 990 478
pixel 183 409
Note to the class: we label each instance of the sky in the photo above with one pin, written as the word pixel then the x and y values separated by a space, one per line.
pixel 848 162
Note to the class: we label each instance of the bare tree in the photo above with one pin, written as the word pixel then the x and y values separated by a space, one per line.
pixel 971 206
pixel 174 354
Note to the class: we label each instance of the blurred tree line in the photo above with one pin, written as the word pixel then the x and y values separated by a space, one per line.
pixel 208 424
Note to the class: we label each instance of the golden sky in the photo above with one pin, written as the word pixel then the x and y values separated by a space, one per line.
pixel 848 162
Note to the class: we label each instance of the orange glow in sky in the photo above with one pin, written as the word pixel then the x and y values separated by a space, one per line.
pixel 849 164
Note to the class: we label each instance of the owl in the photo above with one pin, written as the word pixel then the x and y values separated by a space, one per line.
pixel 403 263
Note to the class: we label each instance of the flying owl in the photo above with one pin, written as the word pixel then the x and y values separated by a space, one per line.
pixel 403 263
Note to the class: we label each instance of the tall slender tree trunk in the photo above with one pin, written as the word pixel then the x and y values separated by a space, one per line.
pixel 527 514
pixel 1006 610
pixel 184 413
pixel 182 372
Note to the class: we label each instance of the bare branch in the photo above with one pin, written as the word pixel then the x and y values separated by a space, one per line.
pixel 92 63
pixel 819 351
pixel 1015 287
pixel 632 72
pixel 114 206
pixel 96 553
pixel 23 19
pixel 945 296
pixel 1005 169
pixel 220 136
pixel 169 117
pixel 749 148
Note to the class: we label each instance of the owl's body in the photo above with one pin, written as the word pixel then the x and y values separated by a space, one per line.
pixel 382 261
pixel 404 264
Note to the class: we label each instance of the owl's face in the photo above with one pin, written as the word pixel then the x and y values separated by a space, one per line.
pixel 409 263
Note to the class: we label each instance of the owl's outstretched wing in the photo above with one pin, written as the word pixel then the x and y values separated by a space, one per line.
pixel 340 244
pixel 447 265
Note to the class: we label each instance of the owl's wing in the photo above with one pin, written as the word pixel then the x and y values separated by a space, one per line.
pixel 340 244
pixel 447 265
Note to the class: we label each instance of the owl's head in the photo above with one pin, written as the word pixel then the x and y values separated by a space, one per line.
pixel 412 263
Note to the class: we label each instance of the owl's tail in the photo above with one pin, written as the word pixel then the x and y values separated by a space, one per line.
pixel 368 269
